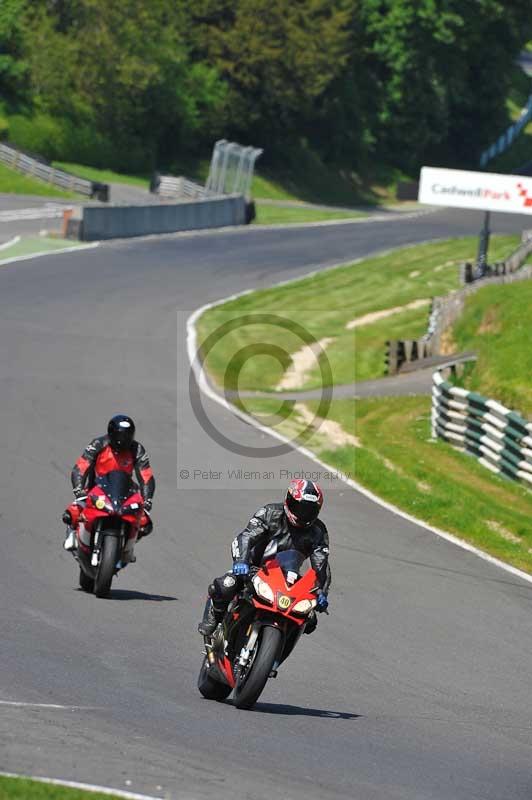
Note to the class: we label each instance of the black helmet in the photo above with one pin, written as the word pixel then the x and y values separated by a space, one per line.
pixel 303 502
pixel 121 430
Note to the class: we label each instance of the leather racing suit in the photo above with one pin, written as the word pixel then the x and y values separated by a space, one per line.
pixel 268 531
pixel 98 459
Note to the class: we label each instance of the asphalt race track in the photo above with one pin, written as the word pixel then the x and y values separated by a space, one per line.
pixel 418 684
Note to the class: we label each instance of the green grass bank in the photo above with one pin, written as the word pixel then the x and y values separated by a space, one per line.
pixel 376 292
pixel 26 789
pixel 12 182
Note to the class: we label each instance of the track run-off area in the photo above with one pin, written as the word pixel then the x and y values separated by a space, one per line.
pixel 416 686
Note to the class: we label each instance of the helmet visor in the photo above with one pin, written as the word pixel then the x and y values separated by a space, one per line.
pixel 121 439
pixel 305 511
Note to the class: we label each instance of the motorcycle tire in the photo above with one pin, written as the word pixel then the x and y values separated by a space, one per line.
pixel 209 688
pixel 106 570
pixel 248 691
pixel 86 582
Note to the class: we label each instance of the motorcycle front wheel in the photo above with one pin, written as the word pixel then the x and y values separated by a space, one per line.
pixel 250 686
pixel 106 570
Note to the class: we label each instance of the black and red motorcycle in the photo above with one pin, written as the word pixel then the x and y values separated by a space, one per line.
pixel 259 631
pixel 107 530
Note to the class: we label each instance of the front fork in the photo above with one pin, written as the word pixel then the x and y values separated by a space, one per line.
pixel 98 541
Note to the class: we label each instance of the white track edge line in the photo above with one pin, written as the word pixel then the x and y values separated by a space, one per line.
pixel 75 249
pixel 10 243
pixel 88 787
pixel 192 351
pixel 22 704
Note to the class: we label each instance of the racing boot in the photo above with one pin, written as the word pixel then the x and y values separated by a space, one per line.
pixel 212 616
pixel 70 542
pixel 311 623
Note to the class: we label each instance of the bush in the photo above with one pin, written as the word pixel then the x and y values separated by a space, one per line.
pixel 60 139
pixel 4 129
pixel 41 135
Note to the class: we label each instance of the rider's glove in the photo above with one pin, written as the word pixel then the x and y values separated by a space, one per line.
pixel 80 493
pixel 147 505
pixel 322 602
pixel 240 568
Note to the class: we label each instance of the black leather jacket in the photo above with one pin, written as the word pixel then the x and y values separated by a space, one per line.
pixel 270 525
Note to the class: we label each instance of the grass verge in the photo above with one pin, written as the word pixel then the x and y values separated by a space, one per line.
pixel 496 324
pixel 324 304
pixel 36 244
pixel 24 789
pixel 277 214
pixel 102 175
pixel 304 177
pixel 396 459
pixel 12 182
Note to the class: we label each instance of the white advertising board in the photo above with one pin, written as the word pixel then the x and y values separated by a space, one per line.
pixel 488 191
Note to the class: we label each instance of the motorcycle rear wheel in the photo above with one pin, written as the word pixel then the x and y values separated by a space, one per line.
pixel 209 688
pixel 106 570
pixel 86 582
pixel 249 689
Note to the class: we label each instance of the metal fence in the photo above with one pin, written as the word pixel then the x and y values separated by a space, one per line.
pixel 508 137
pixel 230 173
pixel 232 167
pixel 500 439
pixel 56 177
pixel 170 187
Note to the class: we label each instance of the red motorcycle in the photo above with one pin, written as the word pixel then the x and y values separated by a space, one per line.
pixel 107 531
pixel 259 631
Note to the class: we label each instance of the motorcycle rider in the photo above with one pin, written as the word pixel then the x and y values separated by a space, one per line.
pixel 292 525
pixel 116 451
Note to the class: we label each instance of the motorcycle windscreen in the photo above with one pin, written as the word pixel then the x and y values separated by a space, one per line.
pixel 291 562
pixel 118 486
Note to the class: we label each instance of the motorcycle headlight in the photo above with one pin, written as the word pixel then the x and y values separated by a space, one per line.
pixel 262 589
pixel 304 606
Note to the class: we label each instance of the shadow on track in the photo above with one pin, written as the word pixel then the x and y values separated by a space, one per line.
pixel 129 594
pixel 300 711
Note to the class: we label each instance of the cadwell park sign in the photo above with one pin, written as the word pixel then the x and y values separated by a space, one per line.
pixel 487 191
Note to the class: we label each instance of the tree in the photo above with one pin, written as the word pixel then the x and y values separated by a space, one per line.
pixel 442 69
pixel 12 67
pixel 122 68
pixel 277 57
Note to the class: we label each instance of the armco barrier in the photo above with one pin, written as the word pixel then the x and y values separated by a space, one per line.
pixel 499 438
pixel 179 189
pixel 36 168
pixel 116 222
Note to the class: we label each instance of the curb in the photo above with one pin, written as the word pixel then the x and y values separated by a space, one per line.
pixel 10 243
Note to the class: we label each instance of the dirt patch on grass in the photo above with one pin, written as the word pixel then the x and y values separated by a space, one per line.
pixel 443 266
pixel 447 343
pixel 333 431
pixel 375 316
pixel 490 321
pixel 303 361
pixel 493 525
